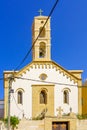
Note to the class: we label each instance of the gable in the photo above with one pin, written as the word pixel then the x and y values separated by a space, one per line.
pixel 73 75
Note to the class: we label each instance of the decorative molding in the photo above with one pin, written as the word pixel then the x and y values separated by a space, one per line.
pixel 43 85
pixel 48 65
pixel 20 89
pixel 66 89
pixel 42 89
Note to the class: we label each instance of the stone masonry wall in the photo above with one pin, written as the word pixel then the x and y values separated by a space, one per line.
pixel 39 125
pixel 81 124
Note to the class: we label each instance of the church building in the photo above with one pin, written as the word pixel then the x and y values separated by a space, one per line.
pixel 43 88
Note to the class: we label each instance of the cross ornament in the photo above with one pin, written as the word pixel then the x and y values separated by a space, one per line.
pixel 40 11
pixel 60 110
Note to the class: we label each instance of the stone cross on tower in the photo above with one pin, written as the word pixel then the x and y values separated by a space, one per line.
pixel 40 11
pixel 60 110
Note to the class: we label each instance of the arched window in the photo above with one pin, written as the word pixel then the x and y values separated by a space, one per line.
pixel 66 96
pixel 20 97
pixel 42 50
pixel 42 32
pixel 43 97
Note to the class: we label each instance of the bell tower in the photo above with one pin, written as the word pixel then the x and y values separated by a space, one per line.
pixel 42 47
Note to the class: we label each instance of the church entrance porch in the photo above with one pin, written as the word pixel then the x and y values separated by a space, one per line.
pixel 59 125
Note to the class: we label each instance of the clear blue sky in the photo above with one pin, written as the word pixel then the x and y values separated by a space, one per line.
pixel 68 32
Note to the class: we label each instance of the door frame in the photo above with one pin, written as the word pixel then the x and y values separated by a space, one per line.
pixel 60 123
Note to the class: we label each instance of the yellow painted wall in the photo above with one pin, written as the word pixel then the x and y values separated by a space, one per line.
pixel 84 100
pixel 37 108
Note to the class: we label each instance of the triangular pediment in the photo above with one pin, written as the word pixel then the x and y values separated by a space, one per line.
pixel 50 64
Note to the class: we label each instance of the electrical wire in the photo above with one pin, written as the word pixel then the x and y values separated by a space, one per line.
pixel 3 79
pixel 33 46
pixel 45 81
pixel 37 36
pixel 21 110
pixel 17 104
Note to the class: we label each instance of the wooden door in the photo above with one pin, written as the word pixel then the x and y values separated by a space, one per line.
pixel 60 126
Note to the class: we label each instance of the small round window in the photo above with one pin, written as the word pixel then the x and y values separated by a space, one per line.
pixel 43 76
